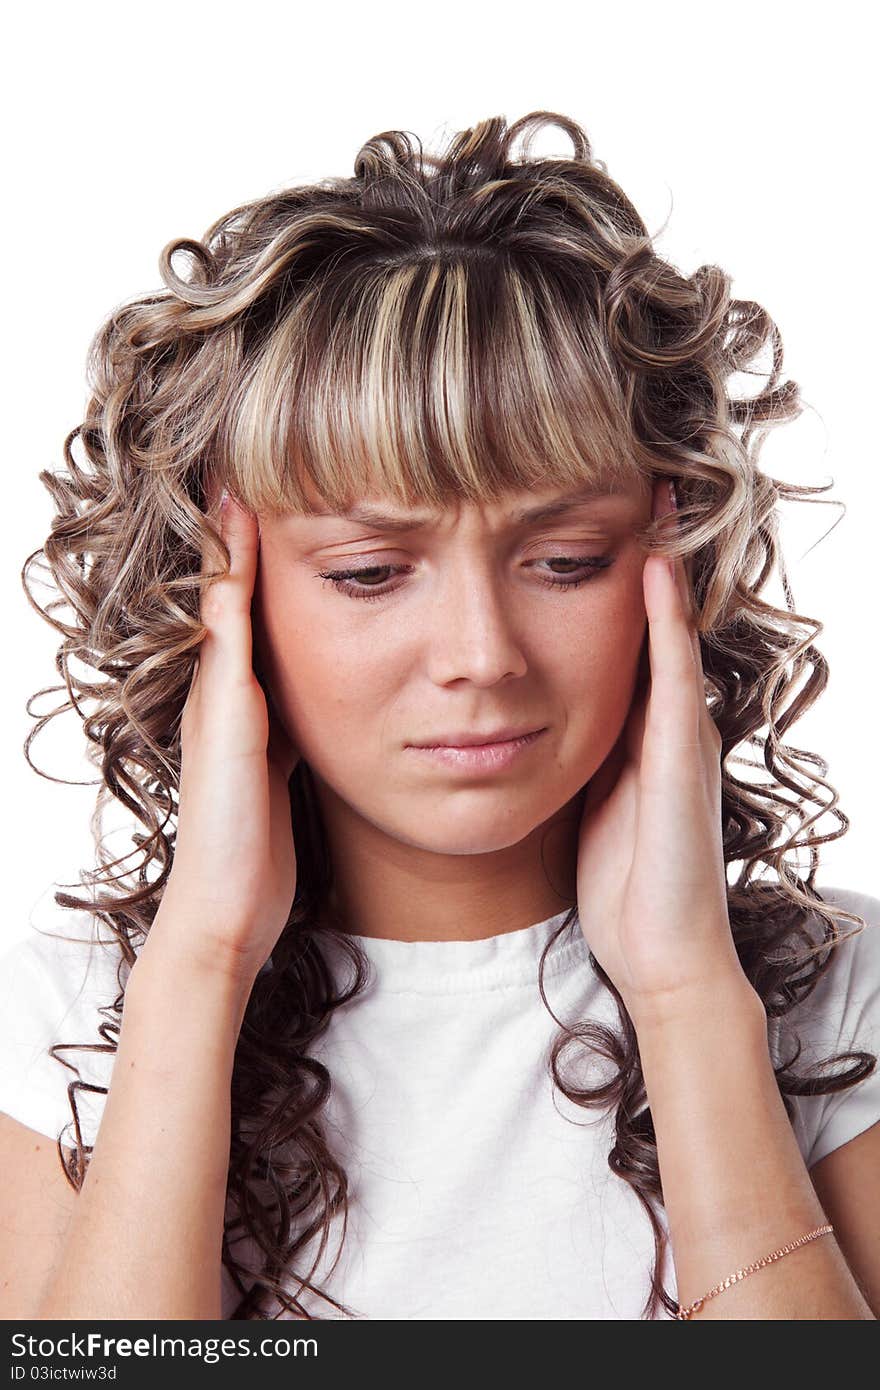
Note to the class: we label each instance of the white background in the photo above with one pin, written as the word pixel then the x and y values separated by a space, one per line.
pixel 751 130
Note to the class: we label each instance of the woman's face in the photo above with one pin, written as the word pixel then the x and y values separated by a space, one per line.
pixel 466 622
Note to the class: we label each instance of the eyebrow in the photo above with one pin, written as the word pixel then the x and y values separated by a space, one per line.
pixel 385 521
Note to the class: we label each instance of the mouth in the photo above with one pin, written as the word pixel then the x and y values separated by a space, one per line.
pixel 469 739
pixel 479 757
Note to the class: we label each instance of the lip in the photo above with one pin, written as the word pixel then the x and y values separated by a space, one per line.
pixel 471 740
pixel 479 757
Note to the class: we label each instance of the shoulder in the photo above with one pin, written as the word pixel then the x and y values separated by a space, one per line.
pixel 861 904
pixel 847 996
pixel 841 1129
pixel 54 984
pixel 839 1018
pixel 78 959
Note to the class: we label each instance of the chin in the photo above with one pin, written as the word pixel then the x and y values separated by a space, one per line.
pixel 480 830
pixel 455 820
pixel 476 843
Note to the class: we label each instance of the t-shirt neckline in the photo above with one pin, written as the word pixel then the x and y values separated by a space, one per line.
pixel 506 959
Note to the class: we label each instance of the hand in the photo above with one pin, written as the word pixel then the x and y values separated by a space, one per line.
pixel 651 880
pixel 233 879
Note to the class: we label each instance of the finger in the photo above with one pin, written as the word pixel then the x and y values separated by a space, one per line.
pixel 213 496
pixel 673 725
pixel 696 727
pixel 684 582
pixel 673 684
pixel 665 503
pixel 226 601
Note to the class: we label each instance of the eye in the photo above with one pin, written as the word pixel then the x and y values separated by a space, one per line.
pixel 344 580
pixel 347 581
pixel 591 563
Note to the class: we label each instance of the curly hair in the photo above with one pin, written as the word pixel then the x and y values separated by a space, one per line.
pixel 442 327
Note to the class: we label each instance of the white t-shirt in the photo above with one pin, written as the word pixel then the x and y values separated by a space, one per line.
pixel 476 1189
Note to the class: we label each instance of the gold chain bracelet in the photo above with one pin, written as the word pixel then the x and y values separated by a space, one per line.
pixel 750 1269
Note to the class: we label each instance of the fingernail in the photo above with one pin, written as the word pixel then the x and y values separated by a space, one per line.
pixel 224 499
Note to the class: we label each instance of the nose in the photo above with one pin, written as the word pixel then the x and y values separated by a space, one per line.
pixel 472 634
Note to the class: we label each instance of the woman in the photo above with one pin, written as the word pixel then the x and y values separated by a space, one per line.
pixel 448 689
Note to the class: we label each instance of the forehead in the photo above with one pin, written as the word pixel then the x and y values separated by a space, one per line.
pixel 518 506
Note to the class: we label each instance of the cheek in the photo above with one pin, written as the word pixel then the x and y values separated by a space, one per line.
pixel 603 638
pixel 327 682
pixel 596 661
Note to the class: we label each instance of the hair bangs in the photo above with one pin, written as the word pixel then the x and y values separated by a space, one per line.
pixel 437 380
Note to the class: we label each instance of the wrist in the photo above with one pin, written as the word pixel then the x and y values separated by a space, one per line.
pixel 700 1004
pixel 170 967
pixel 208 940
